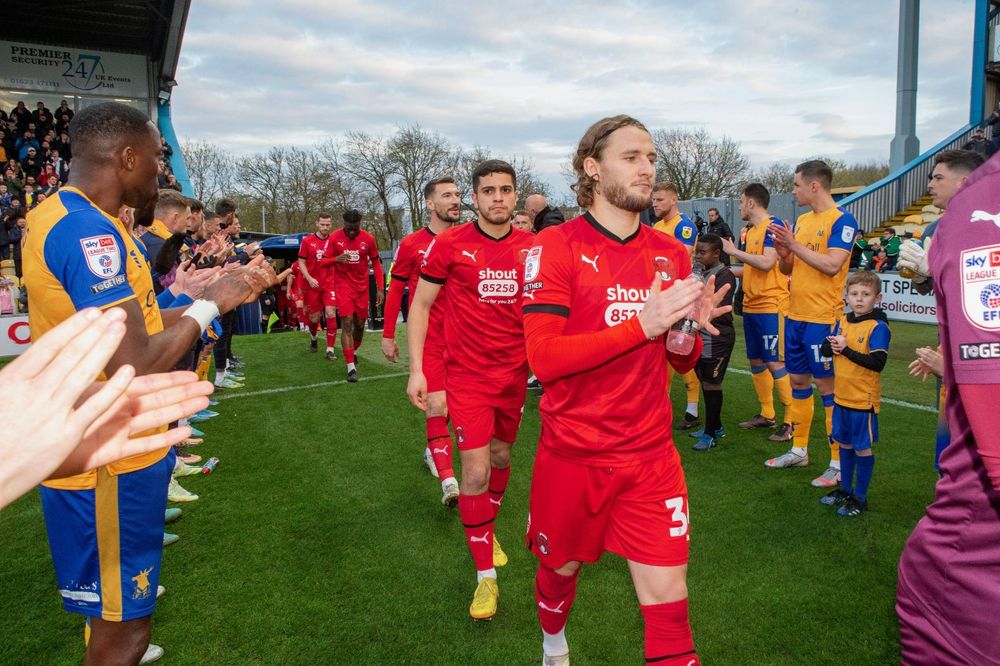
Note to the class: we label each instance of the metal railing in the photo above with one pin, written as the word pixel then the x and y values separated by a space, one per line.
pixel 878 202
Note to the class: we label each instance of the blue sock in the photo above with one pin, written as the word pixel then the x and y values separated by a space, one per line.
pixel 847 462
pixel 865 466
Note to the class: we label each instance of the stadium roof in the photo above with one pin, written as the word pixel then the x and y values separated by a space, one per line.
pixel 152 28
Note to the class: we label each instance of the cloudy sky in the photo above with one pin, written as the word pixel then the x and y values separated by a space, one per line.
pixel 788 79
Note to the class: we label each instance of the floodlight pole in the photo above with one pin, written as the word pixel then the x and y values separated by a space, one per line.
pixel 905 145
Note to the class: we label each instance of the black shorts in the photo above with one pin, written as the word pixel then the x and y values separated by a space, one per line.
pixel 711 370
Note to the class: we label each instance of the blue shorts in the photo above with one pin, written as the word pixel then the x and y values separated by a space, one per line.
pixel 857 427
pixel 764 333
pixel 802 348
pixel 107 542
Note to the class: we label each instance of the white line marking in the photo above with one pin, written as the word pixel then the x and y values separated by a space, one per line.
pixel 286 389
pixel 888 401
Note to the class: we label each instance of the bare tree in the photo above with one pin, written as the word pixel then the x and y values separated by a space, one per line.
pixel 698 164
pixel 419 155
pixel 776 177
pixel 465 161
pixel 210 169
pixel 368 159
pixel 262 176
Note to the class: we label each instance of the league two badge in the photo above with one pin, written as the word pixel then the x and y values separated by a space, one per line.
pixel 103 258
pixel 981 287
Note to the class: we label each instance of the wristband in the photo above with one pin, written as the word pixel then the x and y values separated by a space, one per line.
pixel 203 312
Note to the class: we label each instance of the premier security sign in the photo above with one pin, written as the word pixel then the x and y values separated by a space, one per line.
pixel 65 71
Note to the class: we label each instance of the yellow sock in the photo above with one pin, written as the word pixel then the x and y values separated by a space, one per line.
pixel 693 387
pixel 763 385
pixel 802 416
pixel 784 386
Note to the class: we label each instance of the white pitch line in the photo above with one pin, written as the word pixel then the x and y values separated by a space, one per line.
pixel 339 382
pixel 286 389
pixel 888 401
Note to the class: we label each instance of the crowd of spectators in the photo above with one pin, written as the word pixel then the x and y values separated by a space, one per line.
pixel 36 155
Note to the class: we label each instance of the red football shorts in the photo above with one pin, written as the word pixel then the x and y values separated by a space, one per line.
pixel 435 354
pixel 484 408
pixel 314 300
pixel 577 512
pixel 352 303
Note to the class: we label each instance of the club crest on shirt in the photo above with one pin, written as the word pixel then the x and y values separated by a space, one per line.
pixel 532 263
pixel 981 286
pixel 103 257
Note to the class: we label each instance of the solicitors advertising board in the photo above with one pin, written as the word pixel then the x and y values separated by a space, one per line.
pixel 65 71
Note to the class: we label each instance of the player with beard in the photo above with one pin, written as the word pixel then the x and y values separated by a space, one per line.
pixel 486 370
pixel 352 249
pixel 316 270
pixel 444 203
pixel 600 292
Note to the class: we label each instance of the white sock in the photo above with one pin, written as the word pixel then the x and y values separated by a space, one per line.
pixel 835 464
pixel 799 451
pixel 486 573
pixel 219 376
pixel 329 349
pixel 450 479
pixel 351 366
pixel 313 338
pixel 555 645
pixel 692 408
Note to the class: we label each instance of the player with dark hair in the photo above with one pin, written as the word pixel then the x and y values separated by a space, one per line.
pixel 316 260
pixel 105 526
pixel 601 291
pixel 765 303
pixel 482 264
pixel 816 254
pixel 444 205
pixel 353 249
pixel 717 348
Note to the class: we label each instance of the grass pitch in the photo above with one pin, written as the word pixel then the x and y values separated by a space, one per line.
pixel 321 539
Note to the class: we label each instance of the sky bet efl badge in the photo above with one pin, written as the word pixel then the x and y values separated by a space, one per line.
pixel 981 287
pixel 103 258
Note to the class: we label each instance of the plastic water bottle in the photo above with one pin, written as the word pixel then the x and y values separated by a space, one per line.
pixel 907 273
pixel 209 465
pixel 680 339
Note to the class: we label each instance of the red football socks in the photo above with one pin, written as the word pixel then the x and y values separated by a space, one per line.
pixel 348 355
pixel 477 519
pixel 555 594
pixel 313 328
pixel 439 442
pixel 498 486
pixel 331 334
pixel 668 635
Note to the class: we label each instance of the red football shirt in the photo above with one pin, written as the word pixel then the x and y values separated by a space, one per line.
pixel 482 315
pixel 406 268
pixel 618 413
pixel 315 250
pixel 351 276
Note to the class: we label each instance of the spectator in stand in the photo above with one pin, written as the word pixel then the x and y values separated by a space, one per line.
pixel 6 199
pixel 62 144
pixel 890 244
pixel 172 183
pixel 60 165
pixel 25 145
pixel 40 112
pixel 522 221
pixel 15 185
pixel 31 164
pixel 541 215
pixel 48 174
pixel 3 146
pixel 167 150
pixel 29 199
pixel 979 144
pixel 22 116
pixel 43 122
pixel 17 238
pixel 64 110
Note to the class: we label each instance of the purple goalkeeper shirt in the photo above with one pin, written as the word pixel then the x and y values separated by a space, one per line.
pixel 949 572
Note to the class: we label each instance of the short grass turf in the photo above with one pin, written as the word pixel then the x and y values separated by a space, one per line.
pixel 321 538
